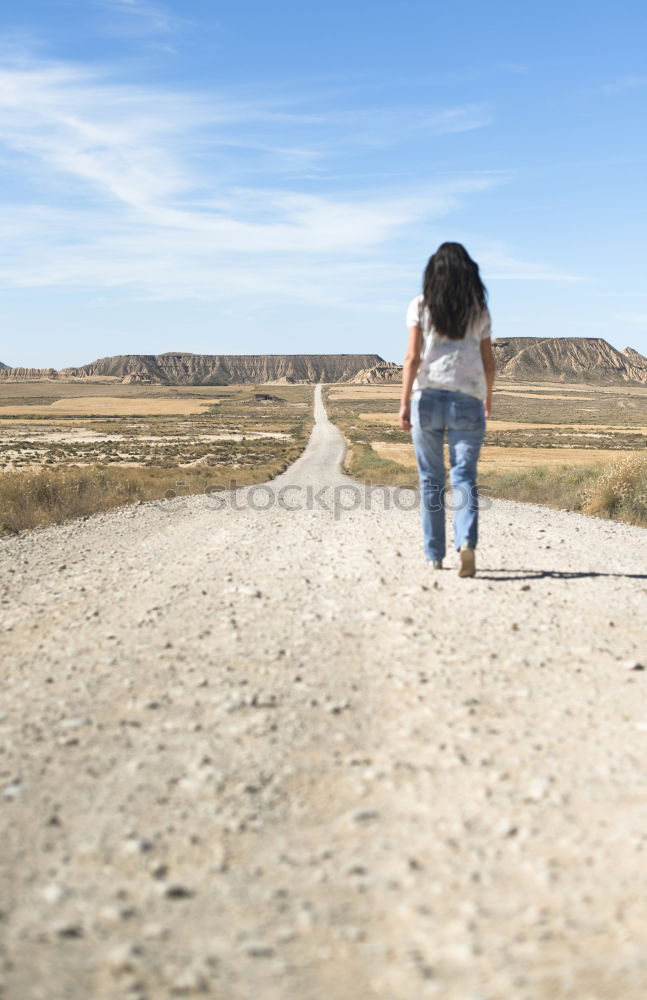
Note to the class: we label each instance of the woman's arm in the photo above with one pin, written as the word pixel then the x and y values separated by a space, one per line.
pixel 489 367
pixel 411 365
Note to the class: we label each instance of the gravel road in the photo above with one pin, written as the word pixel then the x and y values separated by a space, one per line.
pixel 269 753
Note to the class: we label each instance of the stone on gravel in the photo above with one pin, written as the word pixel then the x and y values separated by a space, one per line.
pixel 177 891
pixel 54 893
pixel 364 815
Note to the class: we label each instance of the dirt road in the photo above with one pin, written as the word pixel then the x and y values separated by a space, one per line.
pixel 269 753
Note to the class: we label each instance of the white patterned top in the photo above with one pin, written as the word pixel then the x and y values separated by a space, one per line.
pixel 450 364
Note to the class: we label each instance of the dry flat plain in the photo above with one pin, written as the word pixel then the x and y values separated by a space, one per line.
pixel 253 747
pixel 72 449
pixel 103 421
pixel 65 424
pixel 532 424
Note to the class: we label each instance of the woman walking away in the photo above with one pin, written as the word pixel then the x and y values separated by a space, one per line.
pixel 449 367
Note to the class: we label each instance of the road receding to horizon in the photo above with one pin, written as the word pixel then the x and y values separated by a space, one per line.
pixel 253 746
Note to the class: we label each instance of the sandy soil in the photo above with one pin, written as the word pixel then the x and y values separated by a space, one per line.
pixel 114 406
pixel 366 392
pixel 502 458
pixel 522 394
pixel 520 425
pixel 625 388
pixel 81 436
pixel 548 390
pixel 270 753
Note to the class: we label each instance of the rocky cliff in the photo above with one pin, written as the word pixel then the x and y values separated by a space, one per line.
pixel 567 359
pixel 560 359
pixel 27 374
pixel 227 369
pixel 380 374
pixel 635 359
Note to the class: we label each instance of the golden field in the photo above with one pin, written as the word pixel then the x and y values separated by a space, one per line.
pixel 494 458
pixel 111 406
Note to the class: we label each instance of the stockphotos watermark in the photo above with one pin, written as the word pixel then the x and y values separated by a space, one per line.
pixel 335 498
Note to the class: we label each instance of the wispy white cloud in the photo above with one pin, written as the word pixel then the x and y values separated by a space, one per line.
pixel 168 194
pixel 139 142
pixel 498 263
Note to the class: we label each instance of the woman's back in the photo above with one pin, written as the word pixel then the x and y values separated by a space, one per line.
pixel 453 364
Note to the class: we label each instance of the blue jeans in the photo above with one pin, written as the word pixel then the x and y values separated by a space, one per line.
pixel 463 417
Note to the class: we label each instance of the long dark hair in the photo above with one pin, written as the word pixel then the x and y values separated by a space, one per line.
pixel 452 290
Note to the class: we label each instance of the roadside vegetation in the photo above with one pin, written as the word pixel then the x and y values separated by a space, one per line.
pixel 613 484
pixel 616 491
pixel 620 492
pixel 55 470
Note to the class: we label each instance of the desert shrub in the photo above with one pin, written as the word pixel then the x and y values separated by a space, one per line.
pixel 560 486
pixel 620 492
pixel 365 465
pixel 33 498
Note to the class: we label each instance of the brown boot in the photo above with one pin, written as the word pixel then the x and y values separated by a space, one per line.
pixel 468 561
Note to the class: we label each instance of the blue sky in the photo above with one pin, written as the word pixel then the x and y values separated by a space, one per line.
pixel 271 178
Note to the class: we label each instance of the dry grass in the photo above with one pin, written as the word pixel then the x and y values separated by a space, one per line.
pixel 614 489
pixel 494 424
pixel 364 464
pixel 559 486
pixel 48 496
pixel 365 392
pixel 520 403
pixel 562 387
pixel 498 459
pixel 561 459
pixel 544 395
pixel 620 492
pixel 617 490
pixel 227 428
pixel 72 466
pixel 538 390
